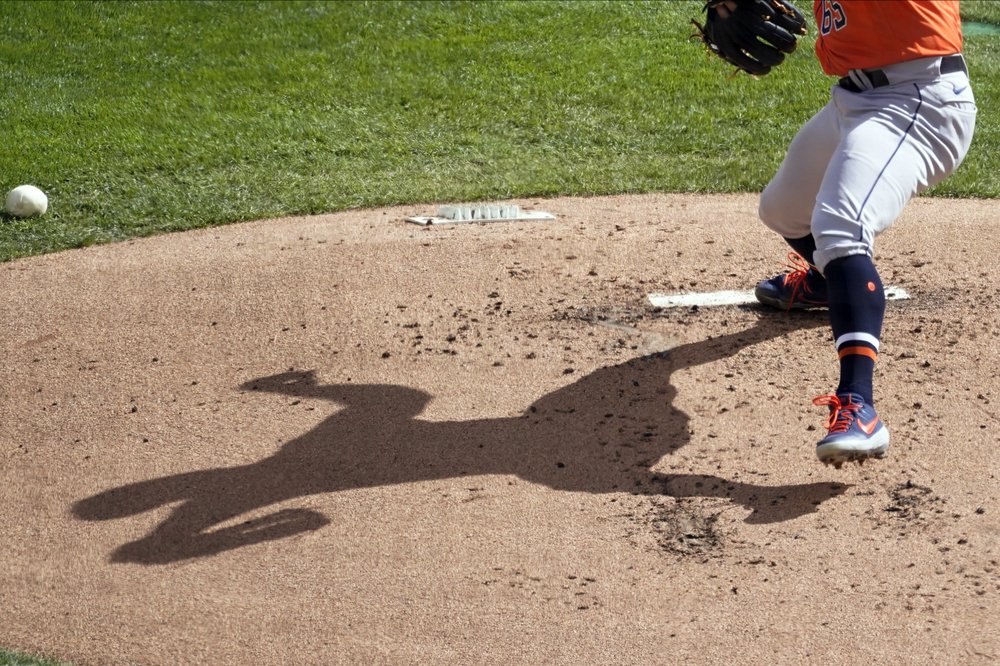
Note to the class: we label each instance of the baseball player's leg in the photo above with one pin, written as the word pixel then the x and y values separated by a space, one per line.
pixel 877 168
pixel 786 207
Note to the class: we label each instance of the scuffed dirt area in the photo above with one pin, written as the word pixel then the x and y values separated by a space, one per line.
pixel 349 439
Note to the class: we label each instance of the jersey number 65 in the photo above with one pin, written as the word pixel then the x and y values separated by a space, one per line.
pixel 833 17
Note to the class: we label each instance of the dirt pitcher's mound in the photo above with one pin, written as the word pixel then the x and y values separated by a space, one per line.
pixel 350 439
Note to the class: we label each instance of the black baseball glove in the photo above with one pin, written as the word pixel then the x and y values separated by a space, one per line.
pixel 754 35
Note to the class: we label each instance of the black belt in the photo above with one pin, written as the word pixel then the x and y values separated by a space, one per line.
pixel 949 65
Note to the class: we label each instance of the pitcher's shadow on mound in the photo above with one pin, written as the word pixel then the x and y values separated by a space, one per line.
pixel 601 434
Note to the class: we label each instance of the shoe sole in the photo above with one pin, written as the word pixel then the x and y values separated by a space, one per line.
pixel 763 297
pixel 837 453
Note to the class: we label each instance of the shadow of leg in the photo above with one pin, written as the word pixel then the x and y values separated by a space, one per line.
pixel 768 504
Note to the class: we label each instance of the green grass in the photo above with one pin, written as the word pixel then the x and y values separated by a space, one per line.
pixel 141 118
pixel 17 659
pixel 985 11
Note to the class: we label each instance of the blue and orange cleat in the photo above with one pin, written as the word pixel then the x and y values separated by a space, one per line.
pixel 855 431
pixel 801 289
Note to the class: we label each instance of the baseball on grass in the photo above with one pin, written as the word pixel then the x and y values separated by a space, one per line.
pixel 27 200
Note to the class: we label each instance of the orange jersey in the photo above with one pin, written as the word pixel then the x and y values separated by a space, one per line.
pixel 867 34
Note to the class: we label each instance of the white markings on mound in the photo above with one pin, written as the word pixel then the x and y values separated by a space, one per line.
pixel 464 213
pixel 702 300
pixel 713 298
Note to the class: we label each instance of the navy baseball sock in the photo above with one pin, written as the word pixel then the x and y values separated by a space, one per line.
pixel 857 307
pixel 805 246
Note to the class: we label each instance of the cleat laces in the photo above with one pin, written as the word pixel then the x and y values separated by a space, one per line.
pixel 796 279
pixel 841 414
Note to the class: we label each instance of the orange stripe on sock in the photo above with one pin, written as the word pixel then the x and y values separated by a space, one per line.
pixel 861 351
